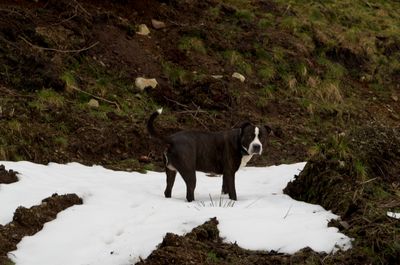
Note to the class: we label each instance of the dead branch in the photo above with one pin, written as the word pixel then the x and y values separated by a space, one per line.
pixel 57 50
pixel 177 103
pixel 96 97
pixel 190 111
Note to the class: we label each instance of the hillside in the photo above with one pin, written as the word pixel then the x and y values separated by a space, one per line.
pixel 311 70
pixel 324 75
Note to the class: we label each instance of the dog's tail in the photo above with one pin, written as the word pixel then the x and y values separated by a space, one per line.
pixel 150 126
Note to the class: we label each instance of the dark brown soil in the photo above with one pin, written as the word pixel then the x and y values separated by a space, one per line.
pixel 203 245
pixel 27 222
pixel 7 176
pixel 357 176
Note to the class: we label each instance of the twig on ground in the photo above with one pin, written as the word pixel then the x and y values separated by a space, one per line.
pixel 177 103
pixel 97 97
pixel 287 9
pixel 287 213
pixel 57 50
pixel 188 110
pixel 365 182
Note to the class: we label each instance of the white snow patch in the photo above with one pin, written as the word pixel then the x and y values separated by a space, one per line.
pixel 393 215
pixel 125 215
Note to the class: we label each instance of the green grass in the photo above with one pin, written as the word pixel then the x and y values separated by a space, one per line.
pixel 175 74
pixel 245 15
pixel 46 99
pixel 267 21
pixel 189 44
pixel 69 79
pixel 267 72
pixel 234 58
pixel 15 126
pixel 212 257
pixel 61 141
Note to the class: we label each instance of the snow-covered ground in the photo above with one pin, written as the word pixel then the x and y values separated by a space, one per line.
pixel 125 215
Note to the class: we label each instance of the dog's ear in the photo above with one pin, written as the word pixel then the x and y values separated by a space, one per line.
pixel 243 125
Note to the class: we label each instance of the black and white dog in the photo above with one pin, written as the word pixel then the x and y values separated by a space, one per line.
pixel 222 152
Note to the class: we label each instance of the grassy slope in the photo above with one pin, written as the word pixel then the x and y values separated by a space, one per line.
pixel 312 68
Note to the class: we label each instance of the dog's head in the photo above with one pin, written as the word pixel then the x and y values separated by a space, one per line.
pixel 252 137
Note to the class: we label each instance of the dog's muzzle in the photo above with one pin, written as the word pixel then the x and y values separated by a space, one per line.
pixel 255 149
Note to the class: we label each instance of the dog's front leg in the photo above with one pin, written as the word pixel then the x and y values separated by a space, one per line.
pixel 230 181
pixel 225 189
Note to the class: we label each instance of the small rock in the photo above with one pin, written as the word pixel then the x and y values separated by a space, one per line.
pixel 344 224
pixel 238 76
pixel 93 103
pixel 395 98
pixel 142 83
pixel 157 24
pixel 143 30
pixel 144 159
pixel 217 76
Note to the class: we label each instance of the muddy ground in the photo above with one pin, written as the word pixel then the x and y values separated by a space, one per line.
pixel 27 222
pixel 203 245
pixel 7 176
pixel 310 78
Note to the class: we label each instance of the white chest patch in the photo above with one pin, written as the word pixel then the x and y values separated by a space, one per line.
pixel 245 160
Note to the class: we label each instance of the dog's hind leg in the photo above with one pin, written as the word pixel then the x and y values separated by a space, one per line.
pixel 190 179
pixel 171 174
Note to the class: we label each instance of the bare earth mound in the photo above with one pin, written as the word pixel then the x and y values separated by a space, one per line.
pixel 357 177
pixel 27 222
pixel 203 245
pixel 7 176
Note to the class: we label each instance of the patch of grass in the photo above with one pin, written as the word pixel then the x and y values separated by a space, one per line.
pixel 333 71
pixel 245 15
pixel 15 126
pixel 239 4
pixel 267 72
pixel 290 23
pixel 174 73
pixel 8 262
pixel 61 141
pixel 267 21
pixel 266 93
pixel 236 59
pixel 214 12
pixel 69 79
pixel 46 99
pixel 149 167
pixel 212 257
pixel 328 92
pixel 360 170
pixel 100 112
pixel 189 44
pixel 278 54
pixel 3 153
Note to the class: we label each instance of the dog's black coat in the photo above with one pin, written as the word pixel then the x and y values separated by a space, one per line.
pixel 210 152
